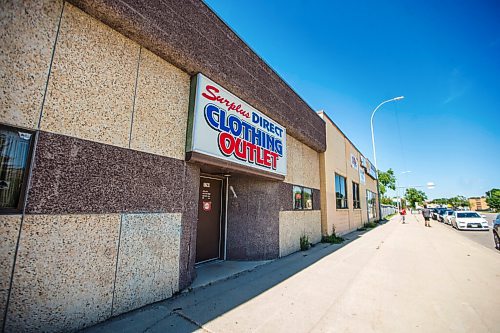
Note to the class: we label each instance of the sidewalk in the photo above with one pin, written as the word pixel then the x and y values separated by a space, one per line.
pixel 397 277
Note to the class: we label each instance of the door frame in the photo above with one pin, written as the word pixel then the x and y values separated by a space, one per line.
pixel 222 216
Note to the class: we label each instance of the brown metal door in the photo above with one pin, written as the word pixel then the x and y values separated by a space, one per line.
pixel 209 220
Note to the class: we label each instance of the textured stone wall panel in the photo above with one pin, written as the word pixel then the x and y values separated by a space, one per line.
pixel 302 164
pixel 63 279
pixel 295 224
pixel 161 108
pixel 90 94
pixel 9 231
pixel 190 36
pixel 148 260
pixel 252 221
pixel 77 176
pixel 27 35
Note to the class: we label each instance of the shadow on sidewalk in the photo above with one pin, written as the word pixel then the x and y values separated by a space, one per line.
pixel 189 311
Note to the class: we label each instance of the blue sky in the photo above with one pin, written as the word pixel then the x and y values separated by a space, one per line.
pixel 346 57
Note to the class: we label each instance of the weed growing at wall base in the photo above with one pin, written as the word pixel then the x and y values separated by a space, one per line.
pixel 368 226
pixel 304 243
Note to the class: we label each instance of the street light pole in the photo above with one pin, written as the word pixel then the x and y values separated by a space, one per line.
pixel 374 151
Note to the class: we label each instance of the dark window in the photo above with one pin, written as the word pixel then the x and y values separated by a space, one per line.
pixel 355 195
pixel 340 191
pixel 15 146
pixel 302 198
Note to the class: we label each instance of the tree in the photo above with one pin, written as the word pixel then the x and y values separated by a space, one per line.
pixel 412 195
pixel 386 180
pixel 441 201
pixel 458 201
pixel 386 201
pixel 493 199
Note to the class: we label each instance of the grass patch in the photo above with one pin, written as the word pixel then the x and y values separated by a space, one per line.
pixel 390 216
pixel 332 239
pixel 368 226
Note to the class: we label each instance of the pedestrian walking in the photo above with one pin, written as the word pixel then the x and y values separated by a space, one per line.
pixel 426 213
pixel 403 213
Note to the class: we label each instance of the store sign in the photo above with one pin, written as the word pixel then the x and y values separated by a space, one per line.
pixel 362 176
pixel 372 171
pixel 354 161
pixel 223 126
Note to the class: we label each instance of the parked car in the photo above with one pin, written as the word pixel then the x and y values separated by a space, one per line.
pixel 442 213
pixel 468 220
pixel 438 212
pixel 434 213
pixel 447 216
pixel 496 231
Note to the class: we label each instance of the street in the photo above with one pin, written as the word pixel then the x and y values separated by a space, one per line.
pixel 395 278
pixel 482 237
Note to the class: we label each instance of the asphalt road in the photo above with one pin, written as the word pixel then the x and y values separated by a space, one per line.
pixel 484 238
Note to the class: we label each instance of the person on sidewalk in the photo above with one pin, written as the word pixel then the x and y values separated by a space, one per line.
pixel 403 213
pixel 426 213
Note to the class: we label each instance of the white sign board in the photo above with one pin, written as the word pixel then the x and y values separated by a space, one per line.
pixel 354 161
pixel 225 127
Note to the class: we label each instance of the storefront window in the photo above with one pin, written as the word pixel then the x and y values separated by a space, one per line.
pixel 297 197
pixel 355 195
pixel 371 203
pixel 307 198
pixel 14 152
pixel 302 198
pixel 340 191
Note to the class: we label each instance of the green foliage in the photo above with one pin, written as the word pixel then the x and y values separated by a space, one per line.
pixel 457 201
pixel 367 226
pixel 493 199
pixel 412 195
pixel 386 201
pixel 332 239
pixel 304 243
pixel 386 180
pixel 440 201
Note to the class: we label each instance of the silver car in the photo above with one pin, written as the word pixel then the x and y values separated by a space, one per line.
pixel 447 216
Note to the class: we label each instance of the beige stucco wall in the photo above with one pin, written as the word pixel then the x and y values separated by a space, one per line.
pixel 101 87
pixel 75 270
pixel 148 261
pixel 303 168
pixel 9 232
pixel 27 34
pixel 64 272
pixel 302 164
pixel 161 108
pixel 337 159
pixel 293 225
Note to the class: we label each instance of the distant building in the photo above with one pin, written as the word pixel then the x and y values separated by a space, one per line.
pixel 478 203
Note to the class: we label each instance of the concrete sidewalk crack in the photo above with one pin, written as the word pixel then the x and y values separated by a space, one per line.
pixel 185 317
pixel 156 322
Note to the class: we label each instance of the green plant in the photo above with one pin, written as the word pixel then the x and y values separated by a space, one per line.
pixel 370 225
pixel 333 238
pixel 304 243
pixel 386 180
pixel 493 199
pixel 367 226
pixel 413 196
